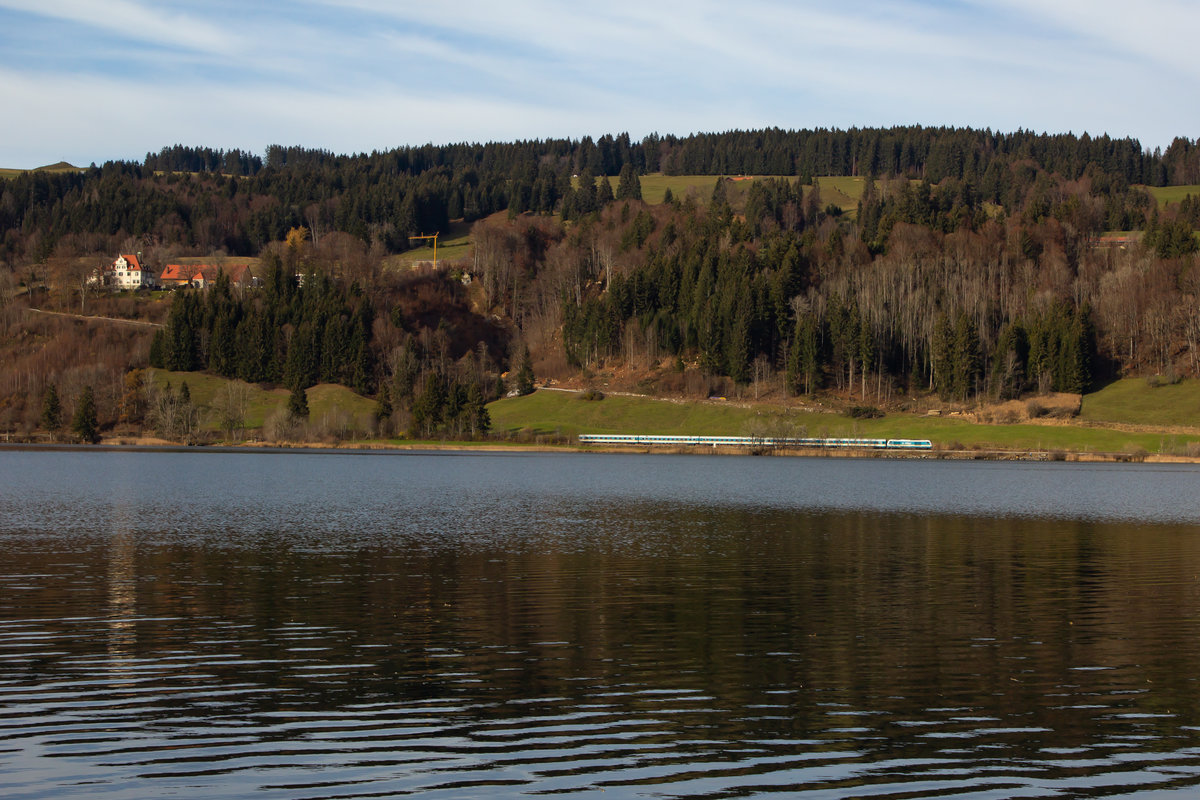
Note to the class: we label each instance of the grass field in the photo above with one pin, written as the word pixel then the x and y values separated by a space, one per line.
pixel 1134 401
pixel 1172 194
pixel 841 190
pixel 655 185
pixel 324 401
pixel 454 245
pixel 62 166
pixel 565 414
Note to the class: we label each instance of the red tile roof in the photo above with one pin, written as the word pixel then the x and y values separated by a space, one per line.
pixel 239 274
pixel 176 272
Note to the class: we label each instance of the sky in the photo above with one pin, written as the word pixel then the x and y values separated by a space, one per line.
pixel 94 80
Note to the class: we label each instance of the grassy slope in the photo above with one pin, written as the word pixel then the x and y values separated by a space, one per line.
pixel 655 185
pixel 1135 402
pixel 322 400
pixel 62 166
pixel 842 191
pixel 547 412
pixel 454 245
pixel 1172 194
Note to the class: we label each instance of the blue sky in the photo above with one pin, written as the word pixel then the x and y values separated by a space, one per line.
pixel 93 80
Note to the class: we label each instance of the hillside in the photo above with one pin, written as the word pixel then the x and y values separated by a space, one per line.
pixel 902 270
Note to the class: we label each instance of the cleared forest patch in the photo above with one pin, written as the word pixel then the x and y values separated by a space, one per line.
pixel 1172 194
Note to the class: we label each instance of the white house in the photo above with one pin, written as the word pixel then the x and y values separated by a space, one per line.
pixel 126 272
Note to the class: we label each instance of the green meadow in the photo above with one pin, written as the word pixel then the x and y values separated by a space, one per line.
pixel 1172 194
pixel 62 166
pixel 453 246
pixel 550 413
pixel 1142 401
pixel 325 401
pixel 1126 417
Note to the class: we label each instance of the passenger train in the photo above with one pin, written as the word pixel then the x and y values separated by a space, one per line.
pixel 756 441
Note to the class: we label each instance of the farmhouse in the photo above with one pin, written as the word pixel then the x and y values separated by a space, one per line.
pixel 200 276
pixel 126 272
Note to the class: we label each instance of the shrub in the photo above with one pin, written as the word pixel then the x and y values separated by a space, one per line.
pixel 1170 379
pixel 864 412
pixel 591 395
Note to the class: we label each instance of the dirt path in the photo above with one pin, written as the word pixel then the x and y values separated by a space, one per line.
pixel 88 318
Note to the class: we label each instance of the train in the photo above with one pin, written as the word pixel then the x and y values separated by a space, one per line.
pixel 755 441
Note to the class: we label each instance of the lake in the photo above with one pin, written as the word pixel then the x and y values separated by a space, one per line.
pixel 353 625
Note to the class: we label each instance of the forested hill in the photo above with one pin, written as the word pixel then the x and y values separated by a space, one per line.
pixel 878 265
pixel 204 200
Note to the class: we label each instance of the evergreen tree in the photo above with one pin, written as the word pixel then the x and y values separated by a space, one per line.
pixel 965 358
pixel 629 187
pixel 941 357
pixel 84 423
pixel 803 358
pixel 428 406
pixel 1009 364
pixel 525 373
pixel 383 403
pixel 604 192
pixel 51 411
pixel 298 403
pixel 478 418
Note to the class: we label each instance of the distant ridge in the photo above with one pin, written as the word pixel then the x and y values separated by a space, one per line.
pixel 61 166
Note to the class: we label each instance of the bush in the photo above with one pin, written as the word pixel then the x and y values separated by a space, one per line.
pixel 1061 412
pixel 591 395
pixel 1170 379
pixel 864 412
pixel 1034 409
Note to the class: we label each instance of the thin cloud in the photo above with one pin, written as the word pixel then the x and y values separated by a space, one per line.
pixel 135 22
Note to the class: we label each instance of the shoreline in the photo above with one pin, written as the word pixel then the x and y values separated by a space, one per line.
pixel 124 444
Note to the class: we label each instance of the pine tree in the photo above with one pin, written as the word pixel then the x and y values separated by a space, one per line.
pixel 84 423
pixel 383 403
pixel 604 192
pixel 51 410
pixel 525 373
pixel 965 358
pixel 298 403
pixel 941 357
pixel 479 420
pixel 629 187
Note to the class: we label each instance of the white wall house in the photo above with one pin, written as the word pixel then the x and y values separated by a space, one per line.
pixel 128 273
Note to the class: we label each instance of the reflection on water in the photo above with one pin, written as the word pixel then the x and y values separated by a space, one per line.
pixel 369 626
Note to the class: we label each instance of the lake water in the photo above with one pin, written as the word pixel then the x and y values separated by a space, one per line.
pixel 291 625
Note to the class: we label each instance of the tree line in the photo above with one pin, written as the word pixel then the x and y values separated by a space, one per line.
pixel 926 288
pixel 206 199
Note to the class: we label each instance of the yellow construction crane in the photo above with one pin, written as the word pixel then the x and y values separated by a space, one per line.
pixel 429 236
